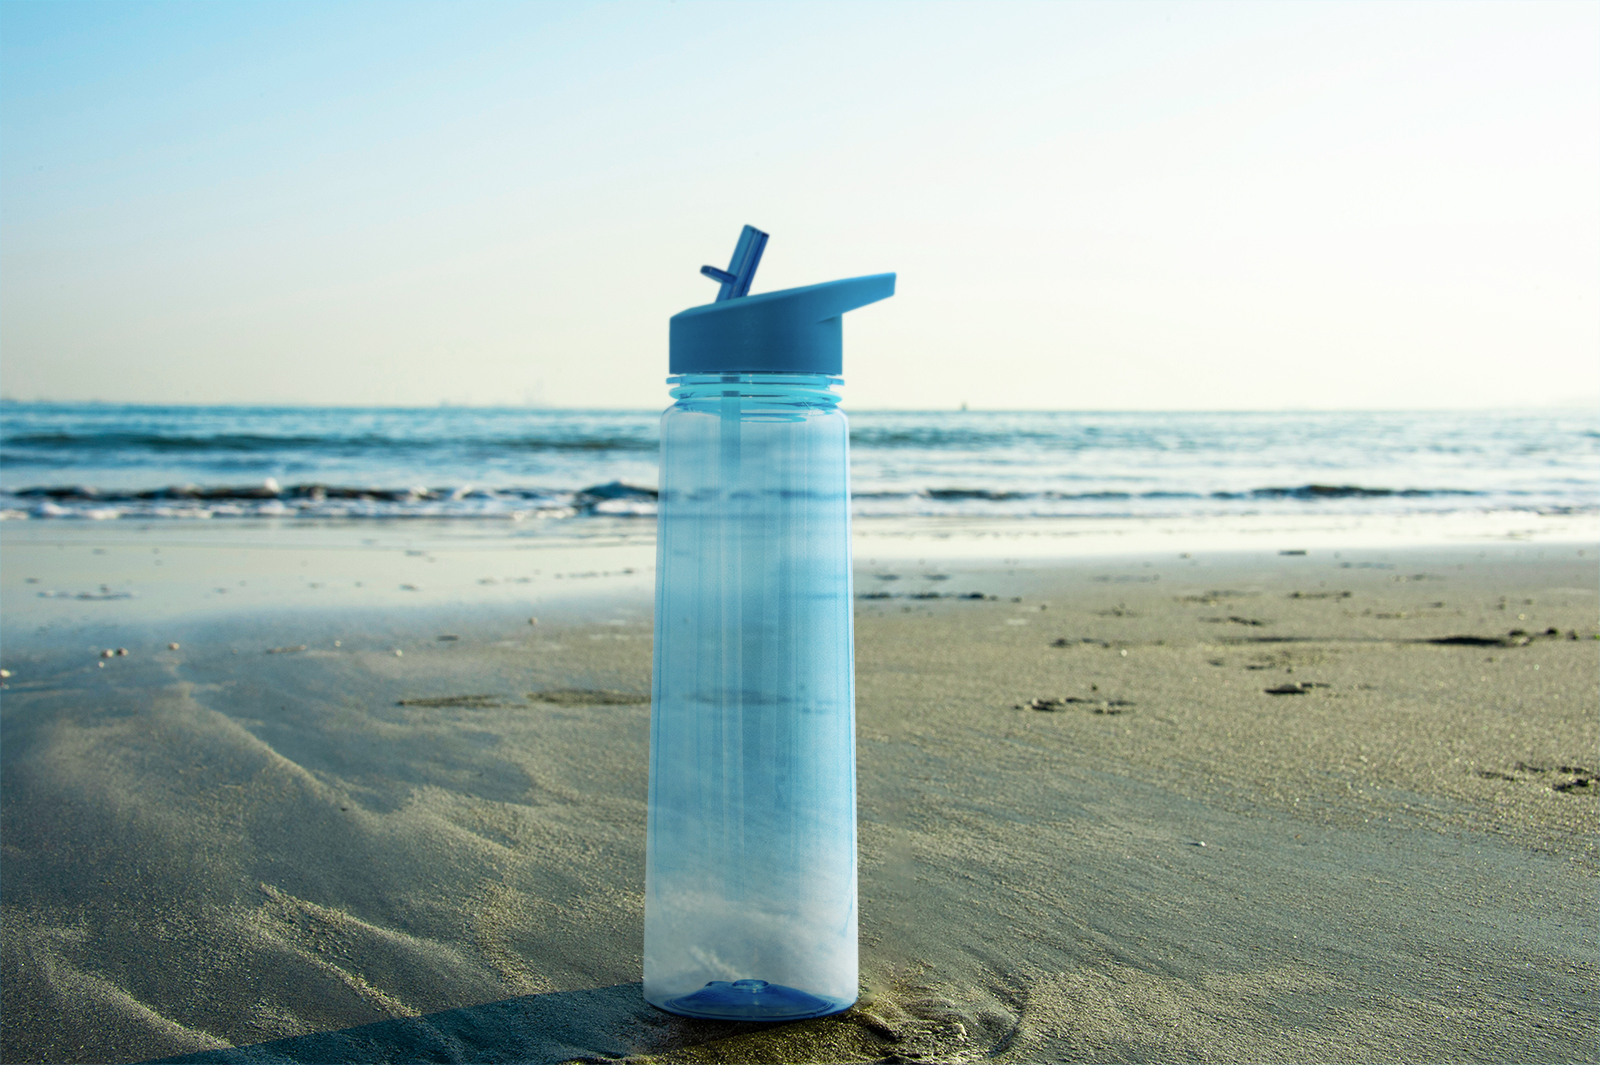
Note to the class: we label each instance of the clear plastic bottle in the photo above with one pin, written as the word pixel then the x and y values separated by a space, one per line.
pixel 750 893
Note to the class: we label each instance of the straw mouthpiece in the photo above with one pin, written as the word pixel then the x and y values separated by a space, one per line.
pixel 741 269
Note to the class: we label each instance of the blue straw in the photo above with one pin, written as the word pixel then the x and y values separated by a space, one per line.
pixel 742 268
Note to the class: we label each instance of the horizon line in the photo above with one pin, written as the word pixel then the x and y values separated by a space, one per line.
pixel 1590 404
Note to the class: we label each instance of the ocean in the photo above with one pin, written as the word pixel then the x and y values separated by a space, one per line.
pixel 105 461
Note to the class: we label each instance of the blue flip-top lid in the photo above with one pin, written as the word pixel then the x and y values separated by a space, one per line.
pixel 797 330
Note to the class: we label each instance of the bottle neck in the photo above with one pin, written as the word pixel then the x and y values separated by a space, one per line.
pixel 779 390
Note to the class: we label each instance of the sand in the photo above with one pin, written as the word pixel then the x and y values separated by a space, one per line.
pixel 343 854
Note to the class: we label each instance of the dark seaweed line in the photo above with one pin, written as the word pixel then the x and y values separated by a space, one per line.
pixel 320 492
pixel 942 495
pixel 29 443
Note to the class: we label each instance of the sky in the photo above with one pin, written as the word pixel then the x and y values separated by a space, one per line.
pixel 1090 206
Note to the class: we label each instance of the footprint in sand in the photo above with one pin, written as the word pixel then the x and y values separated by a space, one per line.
pixel 470 702
pixel 1050 704
pixel 1582 778
pixel 1295 688
pixel 589 697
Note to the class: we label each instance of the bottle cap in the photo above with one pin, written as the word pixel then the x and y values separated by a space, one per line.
pixel 797 330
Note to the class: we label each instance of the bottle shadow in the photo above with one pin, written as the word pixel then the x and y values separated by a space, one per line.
pixel 601 1024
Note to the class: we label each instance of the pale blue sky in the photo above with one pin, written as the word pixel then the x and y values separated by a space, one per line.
pixel 1134 205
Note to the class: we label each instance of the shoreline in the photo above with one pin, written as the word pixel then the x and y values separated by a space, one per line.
pixel 529 557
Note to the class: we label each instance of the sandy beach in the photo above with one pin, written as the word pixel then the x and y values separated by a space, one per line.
pixel 1162 805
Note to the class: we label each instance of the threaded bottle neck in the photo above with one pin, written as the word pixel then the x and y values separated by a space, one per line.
pixel 812 391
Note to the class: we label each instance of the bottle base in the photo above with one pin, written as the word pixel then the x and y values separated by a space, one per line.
pixel 752 1000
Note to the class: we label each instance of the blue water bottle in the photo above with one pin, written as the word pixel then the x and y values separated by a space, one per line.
pixel 750 868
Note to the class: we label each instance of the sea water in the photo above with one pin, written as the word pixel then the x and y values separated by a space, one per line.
pixel 556 467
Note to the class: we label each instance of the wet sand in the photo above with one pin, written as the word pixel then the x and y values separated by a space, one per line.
pixel 1233 806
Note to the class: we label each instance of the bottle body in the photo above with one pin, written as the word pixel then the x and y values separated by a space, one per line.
pixel 750 882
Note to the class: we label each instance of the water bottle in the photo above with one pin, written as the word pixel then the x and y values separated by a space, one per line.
pixel 750 867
